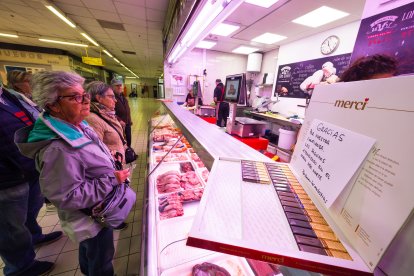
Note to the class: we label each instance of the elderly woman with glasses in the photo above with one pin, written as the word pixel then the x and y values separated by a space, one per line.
pixel 103 120
pixel 76 169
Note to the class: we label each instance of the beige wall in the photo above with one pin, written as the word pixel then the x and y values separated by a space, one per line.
pixel 140 83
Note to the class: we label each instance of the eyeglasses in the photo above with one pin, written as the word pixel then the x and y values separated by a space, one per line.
pixel 78 98
pixel 111 96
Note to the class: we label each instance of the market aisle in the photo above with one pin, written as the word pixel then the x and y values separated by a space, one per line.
pixel 127 242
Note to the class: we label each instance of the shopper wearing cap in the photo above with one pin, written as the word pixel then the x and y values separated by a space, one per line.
pixel 20 196
pixel 122 110
pixel 223 109
pixel 76 169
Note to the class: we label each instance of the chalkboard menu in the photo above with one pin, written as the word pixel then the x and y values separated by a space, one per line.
pixel 290 77
pixel 390 33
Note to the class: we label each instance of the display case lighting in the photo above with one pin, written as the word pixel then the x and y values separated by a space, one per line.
pixel 268 38
pixel 262 3
pixel 320 16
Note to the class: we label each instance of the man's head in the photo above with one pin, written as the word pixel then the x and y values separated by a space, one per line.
pixel 218 81
pixel 117 86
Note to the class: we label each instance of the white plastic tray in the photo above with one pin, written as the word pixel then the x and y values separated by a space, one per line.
pixel 236 266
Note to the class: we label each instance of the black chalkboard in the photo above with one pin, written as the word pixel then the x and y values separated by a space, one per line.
pixel 291 76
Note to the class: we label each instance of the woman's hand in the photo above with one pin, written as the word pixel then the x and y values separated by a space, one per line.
pixel 122 175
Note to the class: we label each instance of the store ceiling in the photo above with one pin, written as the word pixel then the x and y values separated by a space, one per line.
pixel 255 20
pixel 139 44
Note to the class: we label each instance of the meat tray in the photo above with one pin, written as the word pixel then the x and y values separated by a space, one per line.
pixel 236 266
pixel 175 177
pixel 171 157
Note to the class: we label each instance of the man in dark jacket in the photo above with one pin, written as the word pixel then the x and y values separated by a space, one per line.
pixel 20 196
pixel 122 110
pixel 223 107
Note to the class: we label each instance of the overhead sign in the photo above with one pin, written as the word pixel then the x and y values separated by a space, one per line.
pixel 93 61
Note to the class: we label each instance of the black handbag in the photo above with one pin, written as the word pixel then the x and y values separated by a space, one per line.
pixel 130 155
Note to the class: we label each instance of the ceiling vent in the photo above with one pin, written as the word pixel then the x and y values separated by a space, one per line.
pixel 129 52
pixel 111 25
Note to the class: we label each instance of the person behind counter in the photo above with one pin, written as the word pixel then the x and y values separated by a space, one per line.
pixel 190 99
pixel 76 168
pixel 223 107
pixel 370 67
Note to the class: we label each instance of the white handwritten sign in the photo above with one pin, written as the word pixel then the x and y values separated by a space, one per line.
pixel 329 157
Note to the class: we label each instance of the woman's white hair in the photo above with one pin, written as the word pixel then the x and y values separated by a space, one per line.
pixel 47 84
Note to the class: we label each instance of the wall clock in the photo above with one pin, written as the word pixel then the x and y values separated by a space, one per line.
pixel 329 45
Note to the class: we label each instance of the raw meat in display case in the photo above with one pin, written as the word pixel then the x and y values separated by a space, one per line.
pixel 177 177
pixel 170 206
pixel 209 269
pixel 171 157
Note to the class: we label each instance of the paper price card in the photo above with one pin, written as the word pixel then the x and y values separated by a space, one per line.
pixel 329 157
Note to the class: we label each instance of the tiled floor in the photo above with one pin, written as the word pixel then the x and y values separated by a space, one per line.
pixel 127 242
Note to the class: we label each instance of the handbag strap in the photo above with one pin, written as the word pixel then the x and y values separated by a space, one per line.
pixel 109 123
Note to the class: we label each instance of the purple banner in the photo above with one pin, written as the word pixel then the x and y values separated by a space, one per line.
pixel 390 33
pixel 296 80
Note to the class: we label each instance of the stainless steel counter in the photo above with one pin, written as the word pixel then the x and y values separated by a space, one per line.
pixel 212 138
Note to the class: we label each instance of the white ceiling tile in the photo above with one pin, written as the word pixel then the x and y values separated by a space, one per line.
pixel 131 10
pixel 71 2
pixel 74 10
pixel 155 15
pixel 105 15
pixel 103 5
pixel 82 21
pixel 161 5
pixel 155 24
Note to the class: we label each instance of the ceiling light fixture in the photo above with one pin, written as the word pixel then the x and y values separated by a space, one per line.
pixel 224 29
pixel 128 77
pixel 262 3
pixel 9 35
pixel 208 15
pixel 90 39
pixel 63 42
pixel 244 50
pixel 320 16
pixel 61 16
pixel 205 44
pixel 269 38
pixel 117 60
pixel 109 54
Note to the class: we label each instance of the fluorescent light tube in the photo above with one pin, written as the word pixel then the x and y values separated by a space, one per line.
pixel 117 60
pixel 224 29
pixel 109 54
pixel 204 44
pixel 268 38
pixel 208 13
pixel 61 16
pixel 130 77
pixel 261 3
pixel 244 50
pixel 320 16
pixel 9 35
pixel 63 42
pixel 90 39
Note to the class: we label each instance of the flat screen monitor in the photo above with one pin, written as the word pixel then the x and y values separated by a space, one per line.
pixel 232 88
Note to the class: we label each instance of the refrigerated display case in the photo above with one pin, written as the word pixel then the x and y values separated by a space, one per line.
pixel 182 150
